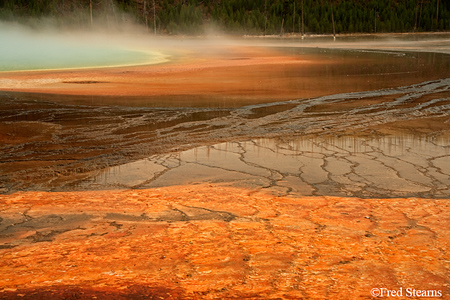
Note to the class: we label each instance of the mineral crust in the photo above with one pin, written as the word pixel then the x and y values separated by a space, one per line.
pixel 214 242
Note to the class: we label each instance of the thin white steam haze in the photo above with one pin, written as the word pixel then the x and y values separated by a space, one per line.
pixel 23 48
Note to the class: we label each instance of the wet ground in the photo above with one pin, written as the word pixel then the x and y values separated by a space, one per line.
pixel 333 185
pixel 387 166
pixel 341 138
pixel 370 91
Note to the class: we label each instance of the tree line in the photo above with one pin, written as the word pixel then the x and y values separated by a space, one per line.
pixel 258 17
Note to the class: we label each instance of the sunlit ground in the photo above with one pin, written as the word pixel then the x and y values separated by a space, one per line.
pixel 249 169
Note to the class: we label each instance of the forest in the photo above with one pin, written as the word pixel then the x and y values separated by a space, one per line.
pixel 244 17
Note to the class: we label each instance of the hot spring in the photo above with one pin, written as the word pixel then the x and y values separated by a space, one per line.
pixel 22 49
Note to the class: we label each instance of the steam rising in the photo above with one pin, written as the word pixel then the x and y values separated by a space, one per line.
pixel 22 48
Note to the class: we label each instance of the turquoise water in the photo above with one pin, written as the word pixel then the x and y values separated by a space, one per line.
pixel 27 51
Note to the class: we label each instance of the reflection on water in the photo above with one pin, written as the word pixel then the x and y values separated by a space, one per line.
pixel 54 143
pixel 320 71
pixel 131 174
pixel 70 142
pixel 385 166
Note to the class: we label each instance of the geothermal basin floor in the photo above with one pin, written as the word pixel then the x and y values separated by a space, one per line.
pixel 266 175
pixel 213 242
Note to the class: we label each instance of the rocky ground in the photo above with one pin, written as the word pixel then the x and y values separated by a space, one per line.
pixel 213 242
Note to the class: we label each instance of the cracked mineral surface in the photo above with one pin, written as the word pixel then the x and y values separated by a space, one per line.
pixel 315 171
pixel 385 166
pixel 213 242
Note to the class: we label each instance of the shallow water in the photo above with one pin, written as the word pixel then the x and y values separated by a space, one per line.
pixel 366 123
pixel 324 72
pixel 45 146
pixel 386 166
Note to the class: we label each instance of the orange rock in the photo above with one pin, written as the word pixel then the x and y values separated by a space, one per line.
pixel 212 242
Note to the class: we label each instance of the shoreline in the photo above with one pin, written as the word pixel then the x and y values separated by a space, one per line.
pixel 161 60
pixel 196 64
pixel 361 34
pixel 147 80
